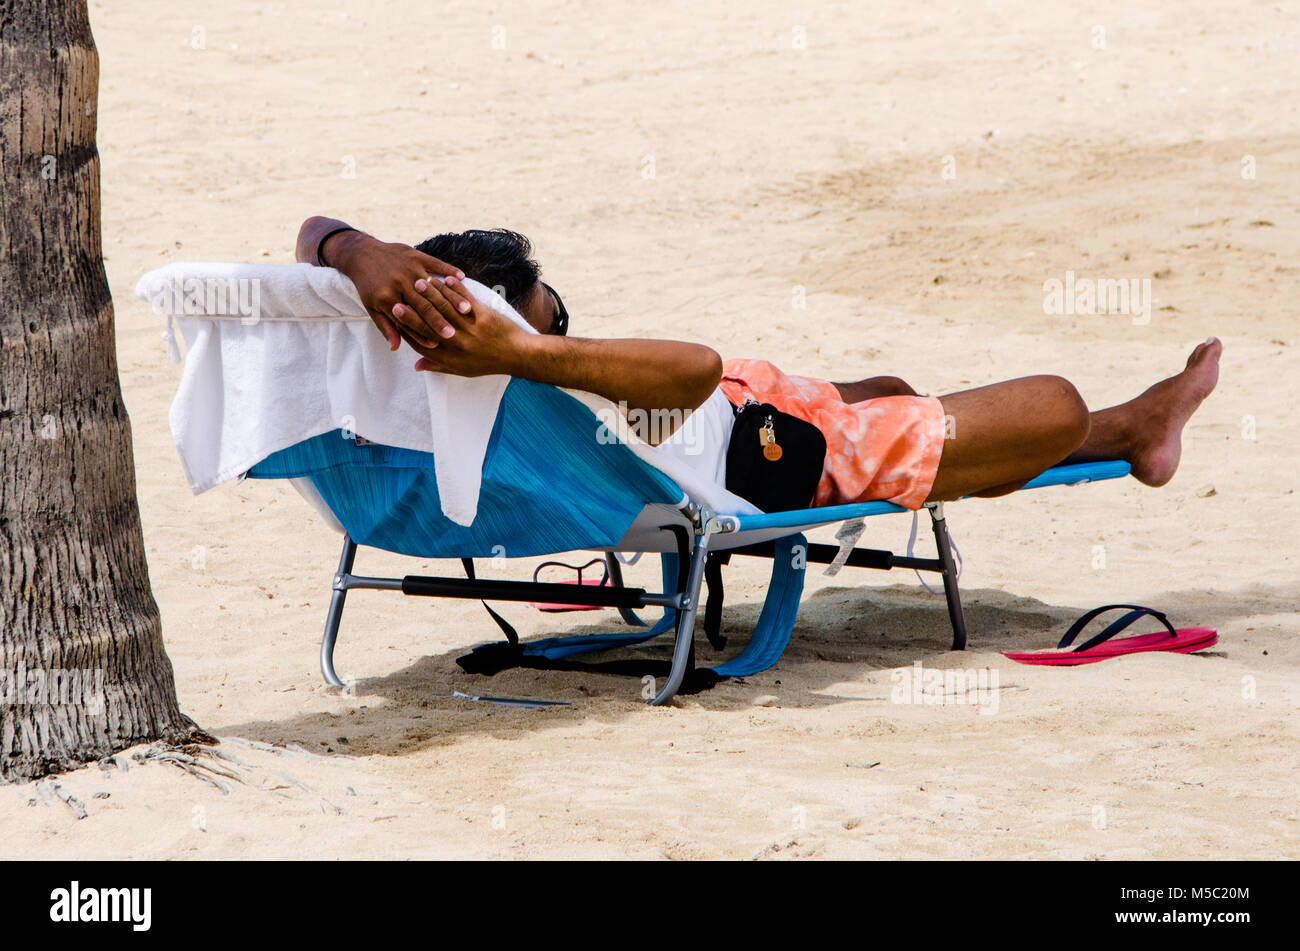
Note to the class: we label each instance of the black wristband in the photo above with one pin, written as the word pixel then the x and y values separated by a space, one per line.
pixel 321 246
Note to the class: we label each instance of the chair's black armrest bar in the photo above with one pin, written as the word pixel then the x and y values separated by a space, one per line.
pixel 819 554
pixel 598 597
pixel 919 564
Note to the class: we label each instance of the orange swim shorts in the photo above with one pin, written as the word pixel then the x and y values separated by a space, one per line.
pixel 886 448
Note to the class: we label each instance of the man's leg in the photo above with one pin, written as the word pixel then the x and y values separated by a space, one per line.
pixel 873 388
pixel 1007 433
pixel 1001 436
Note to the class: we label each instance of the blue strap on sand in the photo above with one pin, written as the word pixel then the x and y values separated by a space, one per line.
pixel 766 644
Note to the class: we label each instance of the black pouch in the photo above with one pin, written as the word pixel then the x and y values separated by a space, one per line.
pixel 774 460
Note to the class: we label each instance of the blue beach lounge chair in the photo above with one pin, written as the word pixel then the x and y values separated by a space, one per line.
pixel 548 486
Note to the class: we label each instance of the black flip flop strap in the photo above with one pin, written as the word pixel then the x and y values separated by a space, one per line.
pixel 1135 611
pixel 579 569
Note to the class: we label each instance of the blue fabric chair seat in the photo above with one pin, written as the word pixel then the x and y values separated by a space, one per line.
pixel 546 489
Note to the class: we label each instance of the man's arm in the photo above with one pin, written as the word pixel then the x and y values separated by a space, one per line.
pixel 640 374
pixel 390 278
pixel 459 335
pixel 310 234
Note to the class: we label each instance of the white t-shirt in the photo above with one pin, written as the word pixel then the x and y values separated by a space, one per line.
pixel 701 441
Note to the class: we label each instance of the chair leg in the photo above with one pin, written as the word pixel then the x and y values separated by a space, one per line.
pixel 336 613
pixel 950 591
pixel 684 646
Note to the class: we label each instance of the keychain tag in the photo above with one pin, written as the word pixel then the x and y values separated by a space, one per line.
pixel 767 436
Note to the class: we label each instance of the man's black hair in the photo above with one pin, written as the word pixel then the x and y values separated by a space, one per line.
pixel 497 258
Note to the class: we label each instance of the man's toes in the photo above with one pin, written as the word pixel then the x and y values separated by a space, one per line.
pixel 1205 350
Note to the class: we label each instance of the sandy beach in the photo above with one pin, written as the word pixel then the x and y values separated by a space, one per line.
pixel 848 192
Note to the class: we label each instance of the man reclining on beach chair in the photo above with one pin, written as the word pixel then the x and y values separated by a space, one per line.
pixel 883 440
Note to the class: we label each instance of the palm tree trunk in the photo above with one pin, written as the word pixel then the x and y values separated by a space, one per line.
pixel 83 672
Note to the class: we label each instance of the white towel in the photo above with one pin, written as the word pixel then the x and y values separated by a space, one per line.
pixel 294 355
pixel 279 354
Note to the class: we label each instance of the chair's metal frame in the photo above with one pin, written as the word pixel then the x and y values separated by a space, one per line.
pixel 693 553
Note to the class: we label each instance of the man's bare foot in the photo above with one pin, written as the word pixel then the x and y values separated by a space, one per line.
pixel 1159 415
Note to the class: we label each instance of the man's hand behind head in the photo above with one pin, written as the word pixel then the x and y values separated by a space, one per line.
pixel 485 342
pixel 389 278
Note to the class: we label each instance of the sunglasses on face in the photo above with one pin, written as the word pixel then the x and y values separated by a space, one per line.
pixel 560 322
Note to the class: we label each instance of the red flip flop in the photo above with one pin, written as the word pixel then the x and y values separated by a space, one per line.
pixel 1177 641
pixel 555 607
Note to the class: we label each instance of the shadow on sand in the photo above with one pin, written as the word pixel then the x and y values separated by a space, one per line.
pixel 841 633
